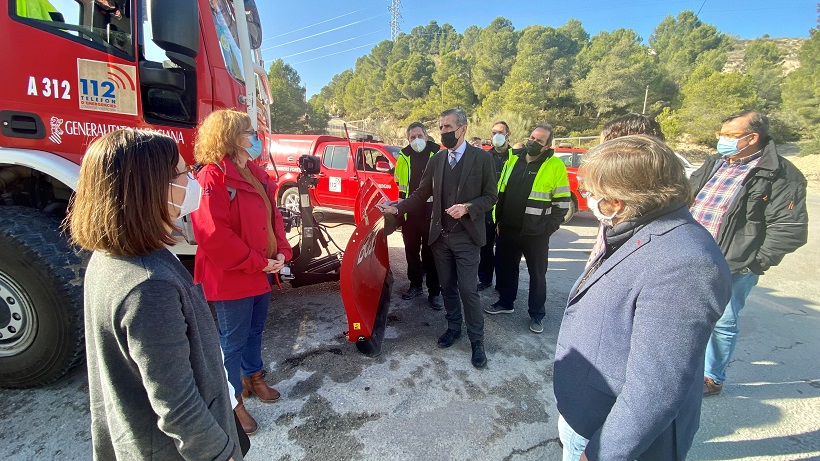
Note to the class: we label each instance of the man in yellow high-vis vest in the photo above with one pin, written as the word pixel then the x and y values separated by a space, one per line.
pixel 410 166
pixel 501 152
pixel 533 198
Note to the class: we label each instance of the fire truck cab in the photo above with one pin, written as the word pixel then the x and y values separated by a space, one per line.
pixel 75 70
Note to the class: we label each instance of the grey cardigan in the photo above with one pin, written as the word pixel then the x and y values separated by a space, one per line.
pixel 155 375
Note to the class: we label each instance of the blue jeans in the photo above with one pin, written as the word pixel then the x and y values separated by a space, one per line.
pixel 574 444
pixel 241 323
pixel 722 343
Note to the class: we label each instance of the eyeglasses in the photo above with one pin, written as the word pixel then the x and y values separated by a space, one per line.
pixel 249 132
pixel 189 170
pixel 584 193
pixel 730 135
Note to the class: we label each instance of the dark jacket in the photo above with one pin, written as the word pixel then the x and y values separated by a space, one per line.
pixel 499 159
pixel 476 189
pixel 629 361
pixel 548 200
pixel 767 219
pixel 155 376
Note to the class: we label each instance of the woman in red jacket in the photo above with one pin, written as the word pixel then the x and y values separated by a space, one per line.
pixel 241 241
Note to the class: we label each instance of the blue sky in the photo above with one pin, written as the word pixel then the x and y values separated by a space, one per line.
pixel 321 38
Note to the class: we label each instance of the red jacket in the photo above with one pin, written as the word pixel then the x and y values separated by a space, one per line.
pixel 232 233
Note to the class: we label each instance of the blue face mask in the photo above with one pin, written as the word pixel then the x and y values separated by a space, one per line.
pixel 256 147
pixel 727 147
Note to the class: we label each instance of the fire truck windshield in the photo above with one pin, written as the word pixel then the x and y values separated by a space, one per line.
pixel 105 23
pixel 225 22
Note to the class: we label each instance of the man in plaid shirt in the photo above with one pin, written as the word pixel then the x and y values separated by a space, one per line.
pixel 753 202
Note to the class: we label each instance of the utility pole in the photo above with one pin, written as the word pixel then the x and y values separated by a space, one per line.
pixel 645 99
pixel 395 17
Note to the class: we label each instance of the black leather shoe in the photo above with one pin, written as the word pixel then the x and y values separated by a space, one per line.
pixel 483 286
pixel 412 293
pixel 448 338
pixel 435 302
pixel 479 357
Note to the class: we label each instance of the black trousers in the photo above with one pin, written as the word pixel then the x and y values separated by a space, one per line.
pixel 414 232
pixel 534 248
pixel 457 262
pixel 487 264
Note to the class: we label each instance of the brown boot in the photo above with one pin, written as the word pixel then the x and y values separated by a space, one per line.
pixel 247 387
pixel 245 419
pixel 710 387
pixel 256 385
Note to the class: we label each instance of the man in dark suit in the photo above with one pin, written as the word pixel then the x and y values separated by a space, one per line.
pixel 461 180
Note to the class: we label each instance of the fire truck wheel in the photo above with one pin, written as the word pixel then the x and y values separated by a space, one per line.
pixel 290 199
pixel 41 307
pixel 571 212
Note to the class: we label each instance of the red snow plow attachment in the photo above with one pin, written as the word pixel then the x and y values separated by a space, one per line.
pixel 366 280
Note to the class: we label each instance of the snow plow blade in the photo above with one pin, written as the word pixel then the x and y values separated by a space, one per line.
pixel 366 280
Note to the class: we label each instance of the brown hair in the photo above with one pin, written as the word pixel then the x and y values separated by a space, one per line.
pixel 121 202
pixel 217 135
pixel 631 123
pixel 639 170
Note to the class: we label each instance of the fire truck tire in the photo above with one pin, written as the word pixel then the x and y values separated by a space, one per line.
pixel 290 199
pixel 41 306
pixel 573 208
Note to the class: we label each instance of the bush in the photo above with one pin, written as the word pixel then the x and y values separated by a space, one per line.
pixel 811 147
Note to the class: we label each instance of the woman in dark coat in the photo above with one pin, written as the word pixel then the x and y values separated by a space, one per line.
pixel 155 377
pixel 629 361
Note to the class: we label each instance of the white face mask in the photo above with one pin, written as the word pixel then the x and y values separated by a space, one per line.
pixel 418 144
pixel 499 140
pixel 593 205
pixel 193 193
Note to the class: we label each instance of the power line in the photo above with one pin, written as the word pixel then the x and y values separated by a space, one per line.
pixel 701 7
pixel 325 32
pixel 314 24
pixel 334 54
pixel 332 44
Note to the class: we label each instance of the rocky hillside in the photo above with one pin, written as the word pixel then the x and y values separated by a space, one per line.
pixel 790 47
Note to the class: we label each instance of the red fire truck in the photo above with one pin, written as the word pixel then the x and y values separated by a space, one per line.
pixel 74 70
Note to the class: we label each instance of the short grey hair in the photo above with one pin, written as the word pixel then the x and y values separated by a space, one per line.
pixel 416 125
pixel 639 170
pixel 461 116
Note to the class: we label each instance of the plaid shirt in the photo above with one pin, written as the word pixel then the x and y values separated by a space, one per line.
pixel 713 200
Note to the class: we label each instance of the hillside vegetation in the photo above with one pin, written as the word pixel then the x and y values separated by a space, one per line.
pixel 691 74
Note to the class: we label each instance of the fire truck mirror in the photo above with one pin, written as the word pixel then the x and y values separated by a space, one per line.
pixel 175 26
pixel 254 24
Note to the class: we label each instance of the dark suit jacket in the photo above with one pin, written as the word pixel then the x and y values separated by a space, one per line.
pixel 629 361
pixel 477 189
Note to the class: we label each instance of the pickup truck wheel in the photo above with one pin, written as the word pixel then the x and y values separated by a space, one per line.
pixel 41 308
pixel 571 211
pixel 290 199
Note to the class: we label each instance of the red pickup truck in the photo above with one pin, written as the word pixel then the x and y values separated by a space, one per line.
pixel 572 159
pixel 341 175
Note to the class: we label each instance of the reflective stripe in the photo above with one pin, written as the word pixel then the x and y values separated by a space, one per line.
pixel 535 211
pixel 562 204
pixel 403 188
pixel 545 196
pixel 558 190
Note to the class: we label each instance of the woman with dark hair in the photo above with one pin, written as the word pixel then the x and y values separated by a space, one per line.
pixel 241 240
pixel 156 383
pixel 629 359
